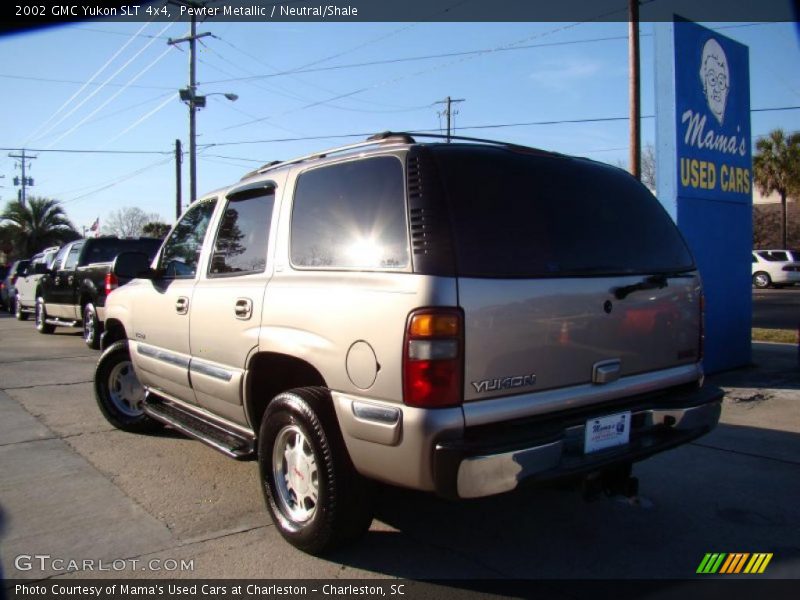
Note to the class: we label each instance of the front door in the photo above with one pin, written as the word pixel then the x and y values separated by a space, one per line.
pixel 160 336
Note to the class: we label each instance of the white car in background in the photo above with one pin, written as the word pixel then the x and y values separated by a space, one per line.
pixel 775 268
pixel 25 298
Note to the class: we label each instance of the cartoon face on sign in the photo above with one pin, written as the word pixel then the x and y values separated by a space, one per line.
pixel 715 77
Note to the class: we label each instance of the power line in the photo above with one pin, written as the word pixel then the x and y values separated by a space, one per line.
pixel 119 180
pixel 407 76
pixel 100 87
pixel 110 32
pixel 418 58
pixel 82 151
pixel 143 118
pixel 288 94
pixel 127 108
pixel 112 98
pixel 74 82
pixel 355 135
pixel 87 83
pixel 306 69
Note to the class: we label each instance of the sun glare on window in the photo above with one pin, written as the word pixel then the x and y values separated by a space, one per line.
pixel 365 252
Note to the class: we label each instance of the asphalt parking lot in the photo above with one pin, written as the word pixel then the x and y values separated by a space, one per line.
pixel 74 488
pixel 777 308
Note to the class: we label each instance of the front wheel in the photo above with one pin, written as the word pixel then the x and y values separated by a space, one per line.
pixel 317 500
pixel 761 280
pixel 21 316
pixel 91 327
pixel 40 317
pixel 119 393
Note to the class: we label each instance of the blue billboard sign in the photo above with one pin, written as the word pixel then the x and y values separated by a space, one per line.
pixel 712 102
pixel 704 173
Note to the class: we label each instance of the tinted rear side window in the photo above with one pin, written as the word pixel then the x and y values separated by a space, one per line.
pixel 100 251
pixel 523 215
pixel 351 215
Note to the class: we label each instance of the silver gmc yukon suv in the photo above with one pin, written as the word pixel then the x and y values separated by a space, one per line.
pixel 449 317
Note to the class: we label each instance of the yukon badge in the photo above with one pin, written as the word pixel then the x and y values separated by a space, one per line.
pixel 504 383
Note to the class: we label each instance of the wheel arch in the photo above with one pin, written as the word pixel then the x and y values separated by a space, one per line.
pixel 113 331
pixel 271 373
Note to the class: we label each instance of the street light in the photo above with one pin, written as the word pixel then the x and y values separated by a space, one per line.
pixel 190 96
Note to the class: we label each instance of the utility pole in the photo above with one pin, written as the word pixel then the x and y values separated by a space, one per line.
pixel 189 95
pixel 178 191
pixel 633 90
pixel 448 102
pixel 26 181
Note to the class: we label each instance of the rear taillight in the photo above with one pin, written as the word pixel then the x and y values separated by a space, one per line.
pixel 112 282
pixel 432 358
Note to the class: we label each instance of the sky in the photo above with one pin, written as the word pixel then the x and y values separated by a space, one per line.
pixel 299 85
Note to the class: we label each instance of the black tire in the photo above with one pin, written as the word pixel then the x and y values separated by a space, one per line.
pixel 336 507
pixel 40 316
pixel 91 327
pixel 761 280
pixel 118 391
pixel 21 316
pixel 11 303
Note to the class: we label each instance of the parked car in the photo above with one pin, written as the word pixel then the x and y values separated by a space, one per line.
pixel 777 268
pixel 3 272
pixel 8 289
pixel 27 284
pixel 455 318
pixel 72 293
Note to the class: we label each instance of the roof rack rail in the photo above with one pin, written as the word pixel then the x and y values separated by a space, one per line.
pixel 260 169
pixel 516 147
pixel 394 137
pixel 386 137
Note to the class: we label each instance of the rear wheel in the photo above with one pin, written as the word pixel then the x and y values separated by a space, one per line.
pixel 118 391
pixel 761 280
pixel 40 316
pixel 21 316
pixel 316 498
pixel 91 327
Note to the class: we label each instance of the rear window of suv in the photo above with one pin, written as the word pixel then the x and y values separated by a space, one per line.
pixel 518 214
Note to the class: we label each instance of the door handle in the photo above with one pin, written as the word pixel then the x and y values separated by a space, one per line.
pixel 182 305
pixel 70 280
pixel 57 281
pixel 243 309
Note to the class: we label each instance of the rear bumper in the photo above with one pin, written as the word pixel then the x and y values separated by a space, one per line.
pixel 492 460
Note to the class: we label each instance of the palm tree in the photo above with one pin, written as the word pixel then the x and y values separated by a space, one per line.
pixel 38 224
pixel 776 168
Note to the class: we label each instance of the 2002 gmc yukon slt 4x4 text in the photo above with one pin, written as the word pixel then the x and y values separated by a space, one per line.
pixel 454 318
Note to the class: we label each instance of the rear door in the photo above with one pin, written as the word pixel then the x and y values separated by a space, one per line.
pixel 569 273
pixel 61 296
pixel 229 297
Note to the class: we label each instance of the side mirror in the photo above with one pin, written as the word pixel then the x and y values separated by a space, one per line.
pixel 40 269
pixel 132 265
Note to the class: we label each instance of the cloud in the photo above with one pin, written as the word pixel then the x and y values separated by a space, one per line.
pixel 563 75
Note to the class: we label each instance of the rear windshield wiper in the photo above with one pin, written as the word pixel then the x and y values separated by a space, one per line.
pixel 653 282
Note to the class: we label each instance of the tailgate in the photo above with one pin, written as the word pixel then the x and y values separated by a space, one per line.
pixel 528 335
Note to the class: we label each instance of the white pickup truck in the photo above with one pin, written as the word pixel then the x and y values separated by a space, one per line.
pixel 25 299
